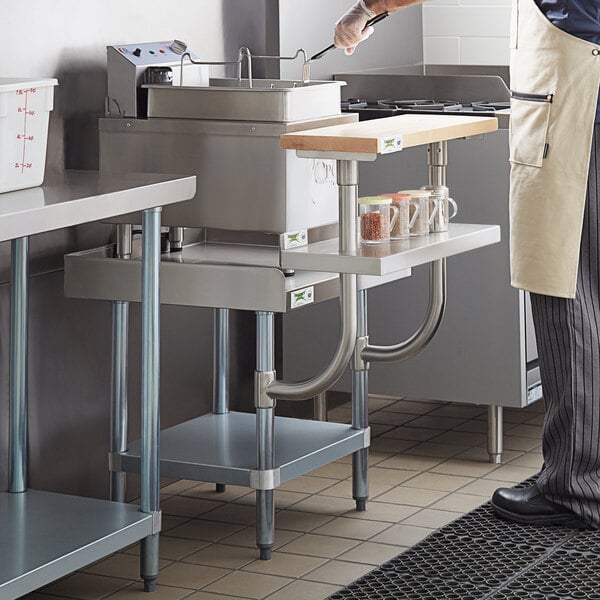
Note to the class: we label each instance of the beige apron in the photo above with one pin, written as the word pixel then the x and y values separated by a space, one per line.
pixel 555 78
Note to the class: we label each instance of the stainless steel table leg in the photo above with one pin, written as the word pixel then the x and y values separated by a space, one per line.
pixel 221 370
pixel 19 325
pixel 149 460
pixel 360 406
pixel 320 407
pixel 265 421
pixel 119 378
pixel 495 434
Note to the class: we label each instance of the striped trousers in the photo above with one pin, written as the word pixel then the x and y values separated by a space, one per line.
pixel 568 339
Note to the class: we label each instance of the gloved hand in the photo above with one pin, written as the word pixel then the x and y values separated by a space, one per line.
pixel 350 29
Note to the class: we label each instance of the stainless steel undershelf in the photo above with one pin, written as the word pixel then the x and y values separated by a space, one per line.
pixel 384 259
pixel 217 275
pixel 45 536
pixel 222 448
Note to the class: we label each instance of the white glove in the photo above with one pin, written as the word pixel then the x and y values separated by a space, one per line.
pixel 350 30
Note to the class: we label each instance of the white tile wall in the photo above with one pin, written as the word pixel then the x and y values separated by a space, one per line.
pixel 468 32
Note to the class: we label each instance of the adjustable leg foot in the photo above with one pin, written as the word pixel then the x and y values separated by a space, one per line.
pixel 361 505
pixel 265 553
pixel 220 488
pixel 150 584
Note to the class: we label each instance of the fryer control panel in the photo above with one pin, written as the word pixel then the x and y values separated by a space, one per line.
pixel 150 53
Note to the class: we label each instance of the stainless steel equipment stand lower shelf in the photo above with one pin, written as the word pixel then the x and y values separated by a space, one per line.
pixel 44 536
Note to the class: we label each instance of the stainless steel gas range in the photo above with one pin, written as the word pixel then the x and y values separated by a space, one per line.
pixel 496 362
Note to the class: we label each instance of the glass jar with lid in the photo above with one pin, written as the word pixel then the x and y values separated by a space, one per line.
pixel 401 229
pixel 439 207
pixel 375 222
pixel 418 211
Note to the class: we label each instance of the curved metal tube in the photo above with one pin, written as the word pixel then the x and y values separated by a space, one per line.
pixel 243 52
pixel 433 319
pixel 347 175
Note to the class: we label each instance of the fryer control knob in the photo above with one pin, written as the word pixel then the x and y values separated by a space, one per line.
pixel 137 52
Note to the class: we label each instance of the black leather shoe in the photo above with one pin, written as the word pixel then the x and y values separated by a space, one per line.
pixel 528 506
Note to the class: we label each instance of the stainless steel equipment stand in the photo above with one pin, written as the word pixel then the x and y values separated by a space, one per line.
pixel 495 434
pixel 120 344
pixel 221 369
pixel 320 407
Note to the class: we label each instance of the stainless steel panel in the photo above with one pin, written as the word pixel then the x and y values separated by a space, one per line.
pixel 222 448
pixel 268 100
pixel 383 259
pixel 46 536
pixel 245 181
pixel 531 351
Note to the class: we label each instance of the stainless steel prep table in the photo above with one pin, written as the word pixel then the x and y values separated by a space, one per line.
pixel 44 536
pixel 262 451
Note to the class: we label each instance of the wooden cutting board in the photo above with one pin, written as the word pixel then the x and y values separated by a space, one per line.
pixel 390 134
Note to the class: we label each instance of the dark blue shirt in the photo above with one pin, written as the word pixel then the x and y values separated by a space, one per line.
pixel 577 17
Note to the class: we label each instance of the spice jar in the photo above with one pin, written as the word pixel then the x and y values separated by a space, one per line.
pixel 418 211
pixel 375 222
pixel 439 206
pixel 400 229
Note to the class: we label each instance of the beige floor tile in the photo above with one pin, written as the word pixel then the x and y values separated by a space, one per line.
pixel 481 454
pixel 378 475
pixel 412 496
pixel 232 513
pixel 415 407
pixel 512 473
pixel 382 511
pixel 304 590
pixel 465 468
pixel 190 576
pixel 411 434
pixel 125 566
pixel 326 505
pixel 178 487
pixel 472 426
pixel 457 502
pixel 380 402
pixel 352 528
pixel 338 572
pixel 136 592
pixel 515 415
pixel 432 422
pixel 343 489
pixel 391 418
pixel 173 548
pixel 371 553
pixel 403 535
pixel 377 456
pixel 438 481
pixel 286 565
pixel 307 484
pixel 530 431
pixel 460 438
pixel 429 517
pixel 378 429
pixel 461 411
pixel 531 460
pixel 182 506
pixel 436 450
pixel 484 487
pixel 536 420
pixel 390 445
pixel 85 586
pixel 198 529
pixel 207 491
pixel 169 522
pixel 247 538
pixel 339 415
pixel 297 520
pixel 209 596
pixel 253 585
pixel 283 499
pixel 410 463
pixel 319 545
pixel 524 444
pixel 220 555
pixel 333 471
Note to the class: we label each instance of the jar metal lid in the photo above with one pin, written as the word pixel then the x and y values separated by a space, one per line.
pixel 374 200
pixel 416 193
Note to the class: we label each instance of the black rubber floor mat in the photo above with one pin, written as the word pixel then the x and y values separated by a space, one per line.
pixel 479 556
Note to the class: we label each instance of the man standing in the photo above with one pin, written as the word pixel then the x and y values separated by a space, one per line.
pixel 554 235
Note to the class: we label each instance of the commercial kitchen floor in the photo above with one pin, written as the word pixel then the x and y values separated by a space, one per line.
pixel 428 466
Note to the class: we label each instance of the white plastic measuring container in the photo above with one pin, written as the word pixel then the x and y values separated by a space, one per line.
pixel 25 105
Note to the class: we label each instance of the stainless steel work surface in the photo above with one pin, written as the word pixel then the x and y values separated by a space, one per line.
pixel 383 259
pixel 266 100
pixel 73 197
pixel 216 275
pixel 46 536
pixel 222 448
